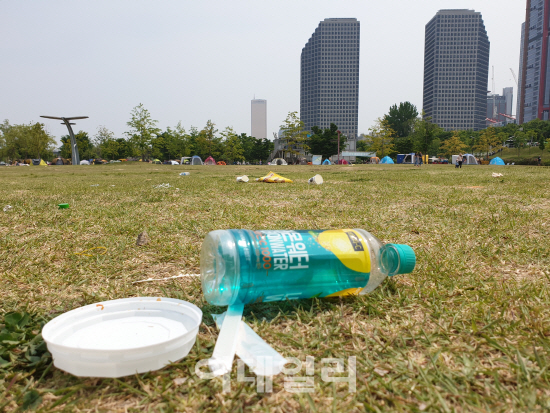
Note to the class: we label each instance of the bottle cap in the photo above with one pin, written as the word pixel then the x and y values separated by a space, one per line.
pixel 397 259
pixel 407 258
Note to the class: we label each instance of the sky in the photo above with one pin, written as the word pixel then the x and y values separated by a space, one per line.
pixel 192 61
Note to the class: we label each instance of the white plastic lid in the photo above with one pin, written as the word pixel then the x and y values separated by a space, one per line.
pixel 122 337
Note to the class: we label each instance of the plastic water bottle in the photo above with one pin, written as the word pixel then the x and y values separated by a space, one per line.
pixel 243 266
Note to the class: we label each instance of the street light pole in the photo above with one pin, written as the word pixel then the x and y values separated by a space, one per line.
pixel 338 146
pixel 75 158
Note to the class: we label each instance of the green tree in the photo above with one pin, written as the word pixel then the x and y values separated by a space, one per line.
pixel 519 139
pixel 454 145
pixel 294 135
pixel 86 149
pixel 178 145
pixel 101 137
pixel 424 133
pixel 381 139
pixel 488 141
pixel 263 149
pixel 112 148
pixel 324 142
pixel 232 148
pixel 142 130
pixel 207 142
pixel 402 118
pixel 25 141
pixel 249 144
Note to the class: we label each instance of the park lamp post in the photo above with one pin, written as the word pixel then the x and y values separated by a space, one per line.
pixel 75 158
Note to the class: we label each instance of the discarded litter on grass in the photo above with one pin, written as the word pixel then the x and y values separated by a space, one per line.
pixel 288 265
pixel 167 278
pixel 123 337
pixel 63 206
pixel 497 175
pixel 274 178
pixel 161 186
pixel 142 239
pixel 185 174
pixel 7 208
pixel 243 178
pixel 316 180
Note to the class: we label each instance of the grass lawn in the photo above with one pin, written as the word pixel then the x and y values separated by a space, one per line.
pixel 529 153
pixel 468 330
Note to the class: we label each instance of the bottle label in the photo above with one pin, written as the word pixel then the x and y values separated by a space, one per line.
pixel 306 264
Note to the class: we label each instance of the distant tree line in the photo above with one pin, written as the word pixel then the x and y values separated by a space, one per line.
pixel 143 140
pixel 403 130
pixel 28 141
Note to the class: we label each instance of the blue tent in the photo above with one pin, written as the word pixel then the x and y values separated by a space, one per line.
pixel 386 159
pixel 326 162
pixel 496 161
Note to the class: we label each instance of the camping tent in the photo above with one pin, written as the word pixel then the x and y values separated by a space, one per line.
pixel 186 160
pixel 210 161
pixel 386 159
pixel 407 158
pixel 343 162
pixel 326 162
pixel 157 161
pixel 58 161
pixel 84 162
pixel 496 161
pixel 374 159
pixel 278 161
pixel 196 160
pixel 467 159
pixel 316 159
pixel 39 162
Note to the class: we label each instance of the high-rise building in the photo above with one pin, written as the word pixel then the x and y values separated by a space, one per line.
pixel 258 119
pixel 499 107
pixel 519 106
pixel 534 78
pixel 456 70
pixel 329 85
pixel 508 93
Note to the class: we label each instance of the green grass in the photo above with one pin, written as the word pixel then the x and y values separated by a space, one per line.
pixel 527 153
pixel 468 330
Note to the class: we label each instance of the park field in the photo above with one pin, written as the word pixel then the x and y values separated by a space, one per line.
pixel 467 331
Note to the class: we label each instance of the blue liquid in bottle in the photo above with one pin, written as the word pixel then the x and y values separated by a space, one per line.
pixel 243 266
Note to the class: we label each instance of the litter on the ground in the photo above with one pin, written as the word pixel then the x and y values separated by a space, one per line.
pixel 95 185
pixel 259 356
pixel 103 251
pixel 272 177
pixel 497 175
pixel 63 206
pixel 221 361
pixel 185 174
pixel 160 186
pixel 167 278
pixel 243 178
pixel 142 239
pixel 122 337
pixel 316 180
pixel 7 208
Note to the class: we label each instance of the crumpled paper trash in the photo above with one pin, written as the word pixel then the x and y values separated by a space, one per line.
pixel 274 178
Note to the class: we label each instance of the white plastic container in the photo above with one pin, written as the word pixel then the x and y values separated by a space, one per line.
pixel 122 337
